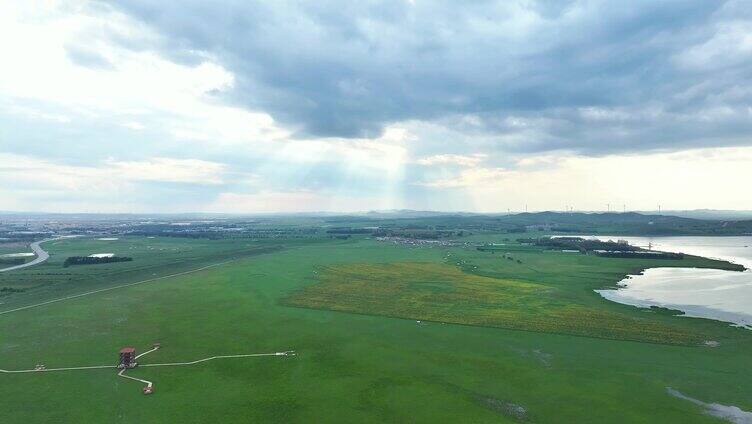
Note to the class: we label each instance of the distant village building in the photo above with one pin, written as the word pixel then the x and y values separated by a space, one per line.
pixel 539 227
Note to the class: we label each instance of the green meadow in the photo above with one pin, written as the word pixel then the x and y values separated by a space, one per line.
pixel 500 340
pixel 152 258
pixel 13 248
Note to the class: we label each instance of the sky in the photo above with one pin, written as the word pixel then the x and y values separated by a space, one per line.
pixel 238 106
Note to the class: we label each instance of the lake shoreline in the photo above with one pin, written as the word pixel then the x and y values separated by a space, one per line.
pixel 712 293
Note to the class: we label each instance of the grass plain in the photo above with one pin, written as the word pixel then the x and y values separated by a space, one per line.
pixel 152 257
pixel 443 293
pixel 364 367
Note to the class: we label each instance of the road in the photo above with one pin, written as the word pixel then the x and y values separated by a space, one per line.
pixel 42 256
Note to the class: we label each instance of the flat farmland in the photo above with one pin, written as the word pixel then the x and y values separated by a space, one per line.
pixel 353 367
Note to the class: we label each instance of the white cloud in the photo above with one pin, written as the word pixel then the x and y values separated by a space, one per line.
pixel 137 84
pixel 133 125
pixel 700 178
pixel 31 113
pixel 168 170
pixel 18 170
pixel 386 154
pixel 29 172
pixel 452 159
pixel 290 201
pixel 470 178
pixel 730 45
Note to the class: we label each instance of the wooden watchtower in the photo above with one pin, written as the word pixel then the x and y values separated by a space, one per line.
pixel 127 357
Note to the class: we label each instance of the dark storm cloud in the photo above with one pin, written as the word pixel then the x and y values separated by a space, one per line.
pixel 588 76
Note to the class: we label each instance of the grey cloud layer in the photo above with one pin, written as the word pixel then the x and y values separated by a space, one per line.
pixel 532 76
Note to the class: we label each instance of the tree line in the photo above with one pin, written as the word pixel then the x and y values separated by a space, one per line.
pixel 88 260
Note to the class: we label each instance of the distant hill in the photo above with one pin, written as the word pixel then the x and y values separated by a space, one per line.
pixel 708 214
pixel 631 223
pixel 703 222
pixel 628 223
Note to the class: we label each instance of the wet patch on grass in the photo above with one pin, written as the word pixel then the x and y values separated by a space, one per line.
pixel 731 414
pixel 508 409
pixel 543 357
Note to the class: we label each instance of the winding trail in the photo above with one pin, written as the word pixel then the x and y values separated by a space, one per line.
pixel 95 367
pixel 42 255
pixel 148 383
pixel 148 351
pixel 75 296
pixel 149 388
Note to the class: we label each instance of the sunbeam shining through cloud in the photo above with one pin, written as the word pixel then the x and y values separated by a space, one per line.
pixel 135 106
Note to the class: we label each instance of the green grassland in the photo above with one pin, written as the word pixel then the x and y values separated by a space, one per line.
pixel 152 257
pixel 443 293
pixel 351 367
pixel 10 248
pixel 15 247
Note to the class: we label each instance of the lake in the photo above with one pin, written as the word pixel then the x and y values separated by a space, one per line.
pixel 705 293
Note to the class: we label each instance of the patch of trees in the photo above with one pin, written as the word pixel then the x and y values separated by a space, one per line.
pixel 7 291
pixel 569 230
pixel 579 243
pixel 642 254
pixel 87 260
pixel 12 261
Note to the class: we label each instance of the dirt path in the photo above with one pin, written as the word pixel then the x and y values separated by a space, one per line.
pixel 149 384
pixel 93 367
pixel 75 296
pixel 148 351
pixel 169 364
